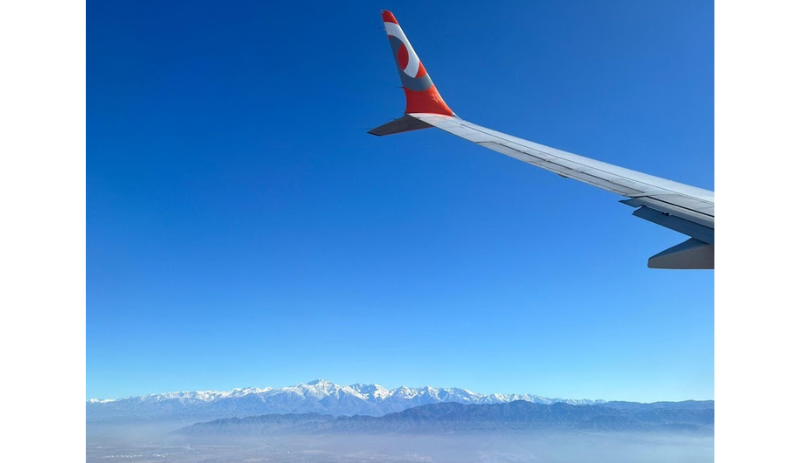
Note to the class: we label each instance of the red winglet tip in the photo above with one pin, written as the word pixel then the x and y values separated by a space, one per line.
pixel 388 17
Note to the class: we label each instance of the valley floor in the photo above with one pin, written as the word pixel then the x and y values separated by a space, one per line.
pixel 152 442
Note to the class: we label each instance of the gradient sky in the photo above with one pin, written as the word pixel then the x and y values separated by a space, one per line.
pixel 244 230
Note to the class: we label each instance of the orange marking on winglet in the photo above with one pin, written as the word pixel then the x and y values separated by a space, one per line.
pixel 427 101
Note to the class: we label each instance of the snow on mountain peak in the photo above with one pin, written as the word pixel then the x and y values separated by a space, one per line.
pixel 318 396
pixel 374 391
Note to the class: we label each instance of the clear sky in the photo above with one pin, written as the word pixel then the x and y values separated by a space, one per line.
pixel 243 229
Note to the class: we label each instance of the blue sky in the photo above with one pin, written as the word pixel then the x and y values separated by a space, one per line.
pixel 244 230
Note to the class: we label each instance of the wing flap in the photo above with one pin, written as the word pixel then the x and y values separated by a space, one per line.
pixel 673 222
pixel 685 208
pixel 692 254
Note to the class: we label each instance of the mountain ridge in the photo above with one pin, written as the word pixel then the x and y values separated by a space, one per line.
pixel 318 396
pixel 687 416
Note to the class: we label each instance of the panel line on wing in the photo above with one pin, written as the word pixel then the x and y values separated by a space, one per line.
pixel 560 169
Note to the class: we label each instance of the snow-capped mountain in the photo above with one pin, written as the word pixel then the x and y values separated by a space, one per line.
pixel 317 396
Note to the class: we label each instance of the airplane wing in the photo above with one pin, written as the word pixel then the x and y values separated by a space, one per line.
pixel 686 209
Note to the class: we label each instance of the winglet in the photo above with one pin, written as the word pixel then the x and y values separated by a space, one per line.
pixel 421 94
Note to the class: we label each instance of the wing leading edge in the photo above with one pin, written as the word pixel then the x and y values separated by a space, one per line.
pixel 683 208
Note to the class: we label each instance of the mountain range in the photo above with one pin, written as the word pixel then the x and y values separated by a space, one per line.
pixel 689 416
pixel 319 396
